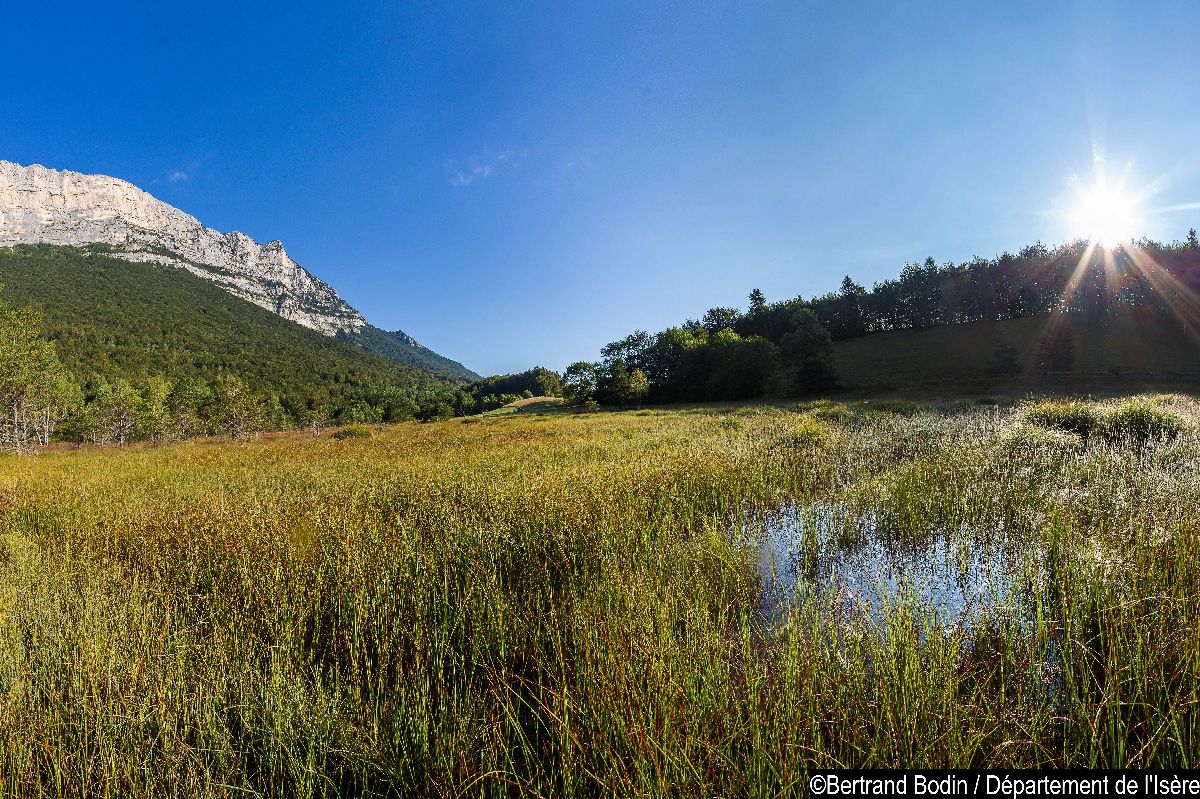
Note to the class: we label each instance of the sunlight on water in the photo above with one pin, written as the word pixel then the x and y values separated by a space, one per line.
pixel 820 552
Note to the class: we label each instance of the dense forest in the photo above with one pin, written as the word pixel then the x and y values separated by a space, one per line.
pixel 97 349
pixel 149 352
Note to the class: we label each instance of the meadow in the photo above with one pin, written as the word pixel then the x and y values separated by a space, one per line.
pixel 567 604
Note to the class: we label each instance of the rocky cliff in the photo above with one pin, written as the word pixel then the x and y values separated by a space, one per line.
pixel 46 206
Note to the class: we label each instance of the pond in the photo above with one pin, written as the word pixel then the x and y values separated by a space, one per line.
pixel 824 552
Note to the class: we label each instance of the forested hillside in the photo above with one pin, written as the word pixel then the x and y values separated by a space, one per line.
pixel 402 348
pixel 113 320
pixel 1076 317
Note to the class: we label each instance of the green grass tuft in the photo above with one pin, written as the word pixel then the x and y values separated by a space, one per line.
pixel 1079 417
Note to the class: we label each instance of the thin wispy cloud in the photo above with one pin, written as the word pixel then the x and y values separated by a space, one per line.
pixel 1181 207
pixel 178 176
pixel 480 168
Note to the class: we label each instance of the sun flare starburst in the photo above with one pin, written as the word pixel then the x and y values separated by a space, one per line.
pixel 1105 214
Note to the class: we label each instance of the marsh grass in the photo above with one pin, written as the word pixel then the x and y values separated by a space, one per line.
pixel 569 605
pixel 351 431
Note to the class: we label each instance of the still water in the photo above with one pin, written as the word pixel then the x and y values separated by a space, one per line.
pixel 822 552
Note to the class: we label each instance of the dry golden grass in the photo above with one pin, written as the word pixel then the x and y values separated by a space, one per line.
pixel 569 604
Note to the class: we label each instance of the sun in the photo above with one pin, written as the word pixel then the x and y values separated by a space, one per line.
pixel 1105 215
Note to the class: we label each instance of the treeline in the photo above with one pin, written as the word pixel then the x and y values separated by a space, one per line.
pixel 786 347
pixel 778 347
pixel 117 411
pixel 41 401
pixel 119 352
pixel 1146 277
pixel 225 367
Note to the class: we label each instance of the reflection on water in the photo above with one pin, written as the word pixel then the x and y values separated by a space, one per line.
pixel 820 551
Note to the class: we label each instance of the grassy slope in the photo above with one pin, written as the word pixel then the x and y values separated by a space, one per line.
pixel 131 319
pixel 1118 353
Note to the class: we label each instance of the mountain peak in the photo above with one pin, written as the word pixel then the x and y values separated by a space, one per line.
pixel 39 205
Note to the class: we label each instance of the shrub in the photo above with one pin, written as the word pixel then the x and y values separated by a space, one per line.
pixel 825 410
pixel 1073 416
pixel 1141 421
pixel 808 432
pixel 436 411
pixel 1029 439
pixel 352 431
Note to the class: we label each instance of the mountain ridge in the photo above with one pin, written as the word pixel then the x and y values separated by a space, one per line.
pixel 41 205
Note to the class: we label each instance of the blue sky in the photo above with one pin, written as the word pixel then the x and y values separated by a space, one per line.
pixel 519 187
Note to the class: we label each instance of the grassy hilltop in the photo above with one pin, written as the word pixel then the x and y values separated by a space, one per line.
pixel 1114 354
pixel 573 604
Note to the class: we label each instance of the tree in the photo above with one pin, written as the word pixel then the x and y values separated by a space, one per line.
pixel 235 410
pixel 535 382
pixel 758 301
pixel 60 399
pixel 395 405
pixel 717 319
pixel 580 382
pixel 1193 242
pixel 358 412
pixel 112 412
pixel 548 383
pixel 274 415
pixel 674 365
pixel 435 410
pixel 852 319
pixel 616 383
pixel 739 368
pixel 639 387
pixel 772 321
pixel 631 349
pixel 315 418
pixel 808 352
pixel 189 405
pixel 154 417
pixel 34 390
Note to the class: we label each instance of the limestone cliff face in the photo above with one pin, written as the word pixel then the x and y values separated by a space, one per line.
pixel 46 206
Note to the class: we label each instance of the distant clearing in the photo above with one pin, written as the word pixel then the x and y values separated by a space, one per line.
pixel 531 405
